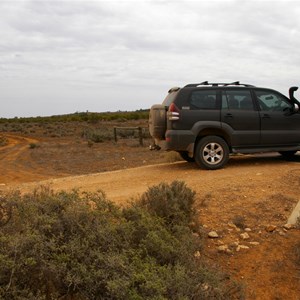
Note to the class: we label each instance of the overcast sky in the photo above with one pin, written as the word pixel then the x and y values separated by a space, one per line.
pixel 59 57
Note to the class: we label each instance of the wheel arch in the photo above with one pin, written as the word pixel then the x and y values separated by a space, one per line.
pixel 206 128
pixel 215 132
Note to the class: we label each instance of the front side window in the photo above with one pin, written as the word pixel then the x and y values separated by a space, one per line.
pixel 235 99
pixel 272 101
pixel 203 100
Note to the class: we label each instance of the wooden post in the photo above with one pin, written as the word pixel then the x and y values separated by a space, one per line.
pixel 140 136
pixel 115 134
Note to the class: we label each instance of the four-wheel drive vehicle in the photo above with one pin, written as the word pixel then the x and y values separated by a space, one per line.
pixel 206 122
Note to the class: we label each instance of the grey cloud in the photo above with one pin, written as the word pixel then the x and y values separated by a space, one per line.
pixel 79 50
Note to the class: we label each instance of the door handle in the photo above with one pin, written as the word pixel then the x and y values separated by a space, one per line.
pixel 266 116
pixel 229 116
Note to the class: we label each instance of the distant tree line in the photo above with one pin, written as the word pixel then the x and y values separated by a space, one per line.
pixel 83 117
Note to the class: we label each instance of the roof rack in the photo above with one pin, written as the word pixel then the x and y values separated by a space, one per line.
pixel 235 83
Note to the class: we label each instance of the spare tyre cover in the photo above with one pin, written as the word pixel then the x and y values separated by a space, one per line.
pixel 157 121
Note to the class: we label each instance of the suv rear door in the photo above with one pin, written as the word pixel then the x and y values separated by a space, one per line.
pixel 278 127
pixel 240 114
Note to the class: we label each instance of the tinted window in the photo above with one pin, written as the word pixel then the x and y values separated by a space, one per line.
pixel 235 99
pixel 203 100
pixel 170 98
pixel 271 101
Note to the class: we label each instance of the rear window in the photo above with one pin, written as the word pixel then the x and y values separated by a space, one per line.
pixel 203 99
pixel 170 98
pixel 237 99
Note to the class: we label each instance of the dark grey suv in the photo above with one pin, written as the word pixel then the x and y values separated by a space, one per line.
pixel 206 122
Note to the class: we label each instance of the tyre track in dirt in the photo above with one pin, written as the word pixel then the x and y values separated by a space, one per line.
pixel 15 162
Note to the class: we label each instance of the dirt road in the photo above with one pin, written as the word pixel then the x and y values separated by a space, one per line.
pixel 15 162
pixel 256 192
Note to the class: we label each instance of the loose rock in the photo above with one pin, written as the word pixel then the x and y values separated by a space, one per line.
pixel 213 234
pixel 197 254
pixel 254 243
pixel 270 228
pixel 234 226
pixel 222 248
pixel 244 236
pixel 288 226
pixel 239 247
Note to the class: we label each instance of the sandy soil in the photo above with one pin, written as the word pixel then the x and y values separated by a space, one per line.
pixel 257 192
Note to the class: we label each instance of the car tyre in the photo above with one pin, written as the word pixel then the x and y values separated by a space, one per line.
pixel 212 152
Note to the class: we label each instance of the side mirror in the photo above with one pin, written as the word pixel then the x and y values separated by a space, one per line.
pixel 291 94
pixel 292 110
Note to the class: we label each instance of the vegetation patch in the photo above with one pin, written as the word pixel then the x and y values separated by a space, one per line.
pixel 239 221
pixel 98 135
pixel 3 140
pixel 71 245
pixel 91 117
pixel 33 146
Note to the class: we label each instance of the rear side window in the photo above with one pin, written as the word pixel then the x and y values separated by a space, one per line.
pixel 203 100
pixel 237 99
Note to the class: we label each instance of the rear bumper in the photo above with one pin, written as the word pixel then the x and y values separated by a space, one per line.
pixel 177 140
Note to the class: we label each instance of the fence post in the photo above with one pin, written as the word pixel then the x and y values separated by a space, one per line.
pixel 115 134
pixel 141 135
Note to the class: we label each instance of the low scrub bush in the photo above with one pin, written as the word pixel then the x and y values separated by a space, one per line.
pixel 127 133
pixel 174 203
pixel 239 221
pixel 98 136
pixel 71 245
pixel 33 146
pixel 3 140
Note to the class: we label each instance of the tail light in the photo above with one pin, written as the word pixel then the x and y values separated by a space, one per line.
pixel 173 112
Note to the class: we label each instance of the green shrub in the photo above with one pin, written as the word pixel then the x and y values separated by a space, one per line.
pixel 71 245
pixel 174 203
